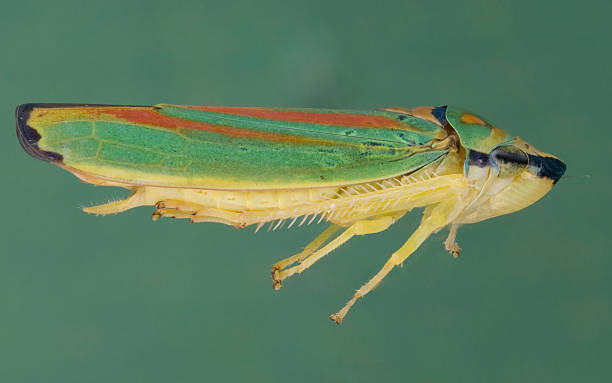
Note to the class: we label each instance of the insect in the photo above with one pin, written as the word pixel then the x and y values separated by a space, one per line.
pixel 361 171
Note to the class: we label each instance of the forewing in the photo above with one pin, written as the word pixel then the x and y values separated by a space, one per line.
pixel 227 147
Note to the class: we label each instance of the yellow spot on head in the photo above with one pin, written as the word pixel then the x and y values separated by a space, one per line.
pixel 468 118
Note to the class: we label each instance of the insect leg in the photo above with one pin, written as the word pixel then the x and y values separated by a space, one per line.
pixel 136 199
pixel 196 213
pixel 451 246
pixel 434 218
pixel 309 249
pixel 358 228
pixel 176 209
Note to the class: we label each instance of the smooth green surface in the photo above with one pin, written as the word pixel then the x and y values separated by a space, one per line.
pixel 473 136
pixel 268 154
pixel 123 299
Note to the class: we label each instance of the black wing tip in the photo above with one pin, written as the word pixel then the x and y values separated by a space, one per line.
pixel 29 137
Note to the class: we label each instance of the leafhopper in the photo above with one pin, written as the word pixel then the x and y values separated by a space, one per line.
pixel 361 171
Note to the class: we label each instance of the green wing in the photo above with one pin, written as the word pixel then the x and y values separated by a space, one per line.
pixel 227 147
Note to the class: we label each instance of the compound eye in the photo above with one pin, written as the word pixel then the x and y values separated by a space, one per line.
pixel 509 159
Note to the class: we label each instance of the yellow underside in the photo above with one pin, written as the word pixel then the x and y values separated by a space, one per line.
pixel 342 205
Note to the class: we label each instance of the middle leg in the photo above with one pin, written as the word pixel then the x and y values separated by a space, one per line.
pixel 358 228
pixel 308 250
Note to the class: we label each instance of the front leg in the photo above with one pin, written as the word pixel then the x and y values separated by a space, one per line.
pixel 450 244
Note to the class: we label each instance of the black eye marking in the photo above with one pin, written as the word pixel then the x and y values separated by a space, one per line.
pixel 478 159
pixel 548 167
pixel 401 117
pixel 507 156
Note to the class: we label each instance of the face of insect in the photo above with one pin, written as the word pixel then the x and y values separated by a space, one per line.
pixel 507 174
pixel 511 177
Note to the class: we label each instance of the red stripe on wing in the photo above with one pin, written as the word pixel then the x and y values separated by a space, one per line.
pixel 338 119
pixel 147 116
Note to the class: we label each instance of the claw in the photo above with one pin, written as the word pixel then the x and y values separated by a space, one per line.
pixel 277 282
pixel 453 250
pixel 451 246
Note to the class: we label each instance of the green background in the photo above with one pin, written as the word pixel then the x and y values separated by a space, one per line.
pixel 125 299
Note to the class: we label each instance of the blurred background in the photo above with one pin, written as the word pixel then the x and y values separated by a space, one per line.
pixel 124 299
